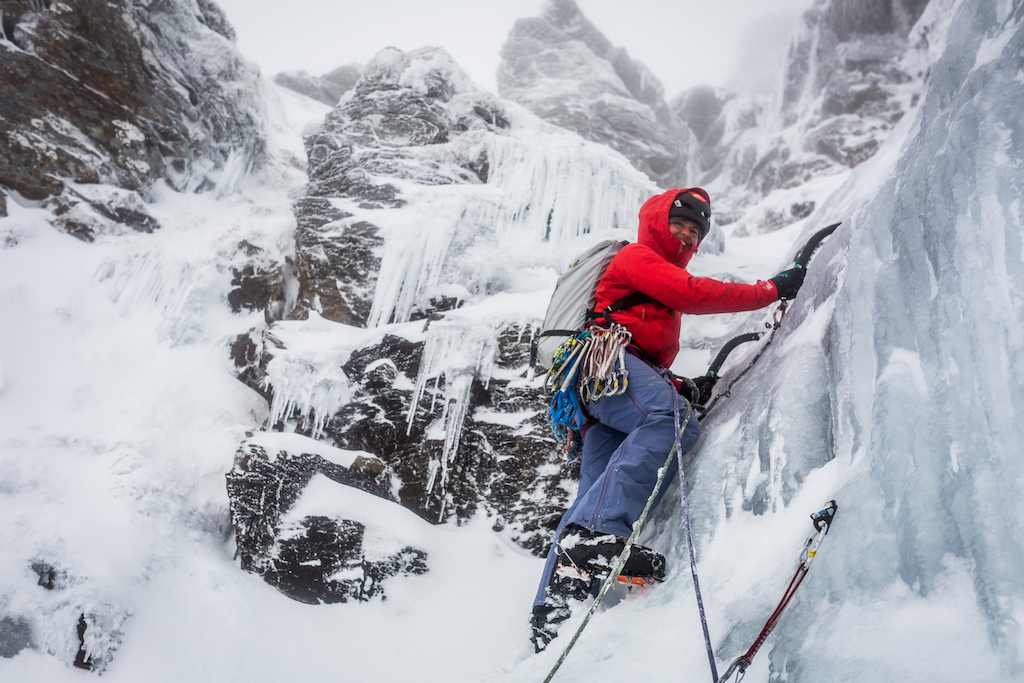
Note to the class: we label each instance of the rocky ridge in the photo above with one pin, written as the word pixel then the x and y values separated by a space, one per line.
pixel 562 68
pixel 98 101
pixel 327 88
pixel 852 71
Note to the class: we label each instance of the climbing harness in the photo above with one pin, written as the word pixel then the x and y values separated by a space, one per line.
pixel 822 520
pixel 624 555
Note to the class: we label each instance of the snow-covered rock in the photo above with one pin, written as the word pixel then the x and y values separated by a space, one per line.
pixel 284 490
pixel 123 95
pixel 327 88
pixel 562 68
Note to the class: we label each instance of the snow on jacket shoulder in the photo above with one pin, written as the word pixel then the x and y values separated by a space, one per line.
pixel 655 265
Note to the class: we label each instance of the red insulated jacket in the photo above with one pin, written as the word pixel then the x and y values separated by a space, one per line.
pixel 655 266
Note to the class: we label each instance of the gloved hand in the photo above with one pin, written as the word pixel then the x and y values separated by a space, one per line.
pixel 705 384
pixel 688 390
pixel 787 283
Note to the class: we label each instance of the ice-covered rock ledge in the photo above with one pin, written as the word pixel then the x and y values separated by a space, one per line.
pixel 317 522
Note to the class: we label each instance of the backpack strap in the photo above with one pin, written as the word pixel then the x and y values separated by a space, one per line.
pixel 628 301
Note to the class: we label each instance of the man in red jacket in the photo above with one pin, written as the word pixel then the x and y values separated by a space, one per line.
pixel 628 436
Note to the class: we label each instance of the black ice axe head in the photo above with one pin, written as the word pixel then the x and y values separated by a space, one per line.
pixel 804 256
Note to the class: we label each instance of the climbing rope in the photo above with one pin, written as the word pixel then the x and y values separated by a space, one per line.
pixel 689 535
pixel 624 555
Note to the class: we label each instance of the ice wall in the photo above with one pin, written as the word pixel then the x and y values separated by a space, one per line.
pixel 896 388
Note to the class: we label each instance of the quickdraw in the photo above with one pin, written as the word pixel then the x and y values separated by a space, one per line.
pixel 585 369
pixel 822 520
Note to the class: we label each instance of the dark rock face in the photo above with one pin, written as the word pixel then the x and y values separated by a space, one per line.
pixel 605 96
pixel 327 88
pixel 260 284
pixel 100 210
pixel 115 94
pixel 316 558
pixel 337 262
pixel 496 467
pixel 250 358
pixel 3 204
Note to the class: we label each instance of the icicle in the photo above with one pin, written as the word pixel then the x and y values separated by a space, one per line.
pixel 316 387
pixel 571 189
pixel 458 352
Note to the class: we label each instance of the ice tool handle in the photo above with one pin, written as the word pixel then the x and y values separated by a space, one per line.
pixel 803 257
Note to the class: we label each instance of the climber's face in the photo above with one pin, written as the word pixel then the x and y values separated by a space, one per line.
pixel 685 231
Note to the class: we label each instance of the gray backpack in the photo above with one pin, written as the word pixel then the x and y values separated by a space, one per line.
pixel 572 304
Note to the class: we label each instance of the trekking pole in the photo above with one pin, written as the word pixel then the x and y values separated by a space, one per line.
pixel 822 520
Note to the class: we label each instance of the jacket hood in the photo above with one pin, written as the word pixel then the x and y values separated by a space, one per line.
pixel 654 233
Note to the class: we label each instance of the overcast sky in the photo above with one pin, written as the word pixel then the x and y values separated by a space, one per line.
pixel 684 42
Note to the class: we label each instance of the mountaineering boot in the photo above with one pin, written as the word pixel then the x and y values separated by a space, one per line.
pixel 584 553
pixel 544 624
pixel 546 618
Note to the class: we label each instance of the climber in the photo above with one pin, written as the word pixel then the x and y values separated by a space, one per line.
pixel 627 437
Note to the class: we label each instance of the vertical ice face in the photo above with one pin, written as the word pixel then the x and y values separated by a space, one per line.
pixel 904 361
pixel 943 276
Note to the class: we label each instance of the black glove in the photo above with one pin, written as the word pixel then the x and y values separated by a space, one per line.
pixel 787 283
pixel 688 390
pixel 705 384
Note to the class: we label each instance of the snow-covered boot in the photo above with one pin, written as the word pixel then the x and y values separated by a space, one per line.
pixel 544 624
pixel 584 554
pixel 555 609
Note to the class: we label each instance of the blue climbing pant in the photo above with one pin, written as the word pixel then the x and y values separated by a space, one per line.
pixel 622 454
